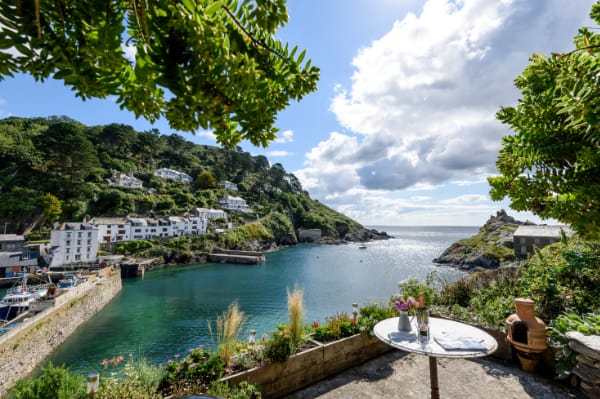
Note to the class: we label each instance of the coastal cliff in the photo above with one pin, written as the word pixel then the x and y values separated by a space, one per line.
pixel 488 249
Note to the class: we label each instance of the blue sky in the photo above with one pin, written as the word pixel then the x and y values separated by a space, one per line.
pixel 402 129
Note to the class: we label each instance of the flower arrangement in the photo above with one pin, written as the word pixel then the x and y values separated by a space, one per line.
pixel 405 305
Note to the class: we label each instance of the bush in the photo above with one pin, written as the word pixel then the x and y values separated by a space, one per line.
pixel 564 276
pixel 54 383
pixel 371 314
pixel 587 324
pixel 242 391
pixel 137 381
pixel 199 368
pixel 336 327
pixel 281 344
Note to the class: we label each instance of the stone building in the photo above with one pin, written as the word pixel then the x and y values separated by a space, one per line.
pixel 526 237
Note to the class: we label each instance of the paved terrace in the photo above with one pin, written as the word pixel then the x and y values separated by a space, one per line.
pixel 400 375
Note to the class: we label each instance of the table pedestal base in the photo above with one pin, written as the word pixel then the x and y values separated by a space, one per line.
pixel 433 377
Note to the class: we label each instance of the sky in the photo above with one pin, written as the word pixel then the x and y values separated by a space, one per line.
pixel 402 129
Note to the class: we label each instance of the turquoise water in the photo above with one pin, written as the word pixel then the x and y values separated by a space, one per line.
pixel 167 312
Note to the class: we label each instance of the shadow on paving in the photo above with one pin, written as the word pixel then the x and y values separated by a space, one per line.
pixel 398 374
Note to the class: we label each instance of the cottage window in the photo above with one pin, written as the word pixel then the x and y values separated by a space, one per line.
pixel 523 240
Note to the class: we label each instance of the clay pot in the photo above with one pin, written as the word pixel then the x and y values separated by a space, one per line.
pixel 528 361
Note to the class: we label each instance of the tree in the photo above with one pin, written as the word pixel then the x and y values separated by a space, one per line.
pixel 550 166
pixel 68 150
pixel 51 207
pixel 198 63
pixel 206 180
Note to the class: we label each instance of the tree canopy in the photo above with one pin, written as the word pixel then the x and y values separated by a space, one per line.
pixel 551 164
pixel 198 63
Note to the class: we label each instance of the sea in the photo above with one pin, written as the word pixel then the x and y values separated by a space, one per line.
pixel 168 312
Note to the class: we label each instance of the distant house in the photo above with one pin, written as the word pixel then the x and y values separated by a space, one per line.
pixel 11 242
pixel 166 173
pixel 126 181
pixel 234 204
pixel 227 185
pixel 73 243
pixel 210 214
pixel 526 237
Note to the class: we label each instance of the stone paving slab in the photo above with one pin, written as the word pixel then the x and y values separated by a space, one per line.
pixel 401 375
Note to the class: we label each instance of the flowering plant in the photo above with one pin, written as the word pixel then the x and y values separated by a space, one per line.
pixel 405 305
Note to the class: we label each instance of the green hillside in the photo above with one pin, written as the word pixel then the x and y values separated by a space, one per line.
pixel 57 169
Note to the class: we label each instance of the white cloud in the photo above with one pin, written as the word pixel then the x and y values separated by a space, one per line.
pixel 420 110
pixel 287 136
pixel 279 153
pixel 129 51
pixel 465 199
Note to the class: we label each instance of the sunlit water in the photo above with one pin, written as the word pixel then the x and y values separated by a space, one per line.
pixel 167 312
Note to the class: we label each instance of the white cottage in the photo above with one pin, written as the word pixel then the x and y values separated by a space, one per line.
pixel 74 243
pixel 166 173
pixel 234 204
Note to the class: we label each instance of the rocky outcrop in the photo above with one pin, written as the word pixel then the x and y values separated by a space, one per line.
pixel 489 249
pixel 365 234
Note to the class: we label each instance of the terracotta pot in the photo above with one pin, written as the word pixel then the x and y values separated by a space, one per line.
pixel 528 362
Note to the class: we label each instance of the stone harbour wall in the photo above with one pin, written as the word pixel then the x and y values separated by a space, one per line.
pixel 29 343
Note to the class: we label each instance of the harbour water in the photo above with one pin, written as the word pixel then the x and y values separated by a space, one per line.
pixel 167 313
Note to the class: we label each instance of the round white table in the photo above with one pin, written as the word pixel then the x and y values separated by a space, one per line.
pixel 447 338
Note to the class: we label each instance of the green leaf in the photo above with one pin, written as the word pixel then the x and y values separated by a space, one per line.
pixel 190 5
pixel 301 57
pixel 213 7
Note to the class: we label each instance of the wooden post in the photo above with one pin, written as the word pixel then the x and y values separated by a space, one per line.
pixel 433 376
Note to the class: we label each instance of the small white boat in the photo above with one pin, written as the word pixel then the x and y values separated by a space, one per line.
pixel 362 246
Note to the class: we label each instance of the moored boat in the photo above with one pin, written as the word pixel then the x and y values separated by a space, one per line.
pixel 19 298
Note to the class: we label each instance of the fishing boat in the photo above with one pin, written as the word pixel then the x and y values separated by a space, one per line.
pixel 68 281
pixel 19 298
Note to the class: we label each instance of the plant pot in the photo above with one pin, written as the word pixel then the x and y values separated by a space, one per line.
pixel 528 361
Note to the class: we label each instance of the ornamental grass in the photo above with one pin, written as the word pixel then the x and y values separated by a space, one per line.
pixel 296 313
pixel 228 328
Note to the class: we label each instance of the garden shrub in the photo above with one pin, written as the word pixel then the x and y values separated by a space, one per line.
pixel 336 327
pixel 564 276
pixel 587 324
pixel 281 344
pixel 53 383
pixel 243 390
pixel 371 314
pixel 198 368
pixel 138 380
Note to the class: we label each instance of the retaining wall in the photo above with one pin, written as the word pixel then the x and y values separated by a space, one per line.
pixel 305 368
pixel 29 343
